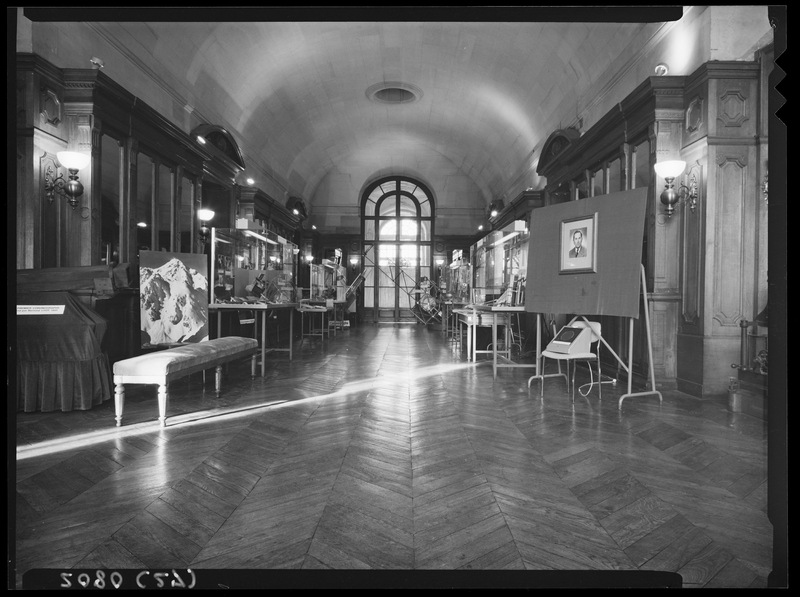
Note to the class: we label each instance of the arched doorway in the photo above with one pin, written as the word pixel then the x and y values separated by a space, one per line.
pixel 397 216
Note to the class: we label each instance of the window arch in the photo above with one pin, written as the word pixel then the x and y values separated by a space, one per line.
pixel 397 221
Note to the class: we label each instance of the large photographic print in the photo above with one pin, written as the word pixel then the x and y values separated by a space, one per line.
pixel 578 248
pixel 173 297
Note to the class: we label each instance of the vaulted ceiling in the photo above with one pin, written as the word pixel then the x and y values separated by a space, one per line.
pixel 476 96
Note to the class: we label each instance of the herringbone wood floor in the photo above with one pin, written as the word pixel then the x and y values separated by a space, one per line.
pixel 384 449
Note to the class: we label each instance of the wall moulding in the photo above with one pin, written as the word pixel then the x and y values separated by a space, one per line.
pixel 694 114
pixel 50 110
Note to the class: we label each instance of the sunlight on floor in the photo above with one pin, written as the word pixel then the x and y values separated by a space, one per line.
pixel 186 420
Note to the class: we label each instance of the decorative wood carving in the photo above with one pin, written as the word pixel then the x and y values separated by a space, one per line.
pixel 728 256
pixel 50 107
pixel 693 252
pixel 694 114
pixel 555 145
pixel 733 108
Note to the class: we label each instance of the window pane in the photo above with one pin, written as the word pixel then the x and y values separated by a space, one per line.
pixel 408 186
pixel 614 176
pixel 425 209
pixel 408 230
pixel 388 230
pixel 369 263
pixel 425 230
pixel 143 209
pixel 110 202
pixel 185 216
pixel 407 207
pixel 597 183
pixel 369 229
pixel 164 205
pixel 581 189
pixel 408 258
pixel 369 208
pixel 641 165
pixel 425 255
pixel 388 207
pixel 387 255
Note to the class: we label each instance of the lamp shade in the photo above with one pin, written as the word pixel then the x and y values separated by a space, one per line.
pixel 205 215
pixel 72 160
pixel 670 168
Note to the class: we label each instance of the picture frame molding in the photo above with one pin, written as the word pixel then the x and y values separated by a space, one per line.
pixel 587 265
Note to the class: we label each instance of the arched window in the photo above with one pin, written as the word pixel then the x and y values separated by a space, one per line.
pixel 397 216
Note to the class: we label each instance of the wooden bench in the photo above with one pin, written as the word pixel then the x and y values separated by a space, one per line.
pixel 168 365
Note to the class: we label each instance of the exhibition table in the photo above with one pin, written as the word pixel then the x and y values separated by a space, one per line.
pixel 312 311
pixel 262 311
pixel 475 316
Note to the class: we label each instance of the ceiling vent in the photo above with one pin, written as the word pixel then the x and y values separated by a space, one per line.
pixel 392 92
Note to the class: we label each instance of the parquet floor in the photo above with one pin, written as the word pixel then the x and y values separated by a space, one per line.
pixel 383 449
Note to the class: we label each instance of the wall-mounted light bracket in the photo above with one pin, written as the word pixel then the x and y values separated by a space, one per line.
pixel 670 197
pixel 72 188
pixel 205 216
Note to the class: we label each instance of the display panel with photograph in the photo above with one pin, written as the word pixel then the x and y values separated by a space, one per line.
pixel 173 297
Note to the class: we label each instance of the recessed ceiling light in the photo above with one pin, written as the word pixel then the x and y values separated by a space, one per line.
pixel 394 92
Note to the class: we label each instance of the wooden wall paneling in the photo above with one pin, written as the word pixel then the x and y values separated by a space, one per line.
pixel 693 245
pixel 733 252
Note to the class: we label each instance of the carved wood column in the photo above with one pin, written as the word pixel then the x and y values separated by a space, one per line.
pixel 720 246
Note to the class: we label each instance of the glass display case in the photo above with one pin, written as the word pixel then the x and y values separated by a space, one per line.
pixel 328 281
pixel 252 266
pixel 456 279
pixel 500 266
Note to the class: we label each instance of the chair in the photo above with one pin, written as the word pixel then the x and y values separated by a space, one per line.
pixel 591 355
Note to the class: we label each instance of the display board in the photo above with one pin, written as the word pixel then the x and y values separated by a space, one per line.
pixel 585 256
pixel 173 297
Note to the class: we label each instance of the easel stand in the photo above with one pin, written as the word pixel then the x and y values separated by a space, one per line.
pixel 540 375
pixel 629 368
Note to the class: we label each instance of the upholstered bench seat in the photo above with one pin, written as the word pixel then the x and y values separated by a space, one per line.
pixel 164 366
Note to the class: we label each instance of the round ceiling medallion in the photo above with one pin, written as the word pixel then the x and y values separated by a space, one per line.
pixel 393 92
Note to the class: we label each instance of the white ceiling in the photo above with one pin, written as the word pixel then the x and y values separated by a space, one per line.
pixel 293 94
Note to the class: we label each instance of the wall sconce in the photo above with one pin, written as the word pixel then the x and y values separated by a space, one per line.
pixel 495 207
pixel 205 216
pixel 669 170
pixel 72 188
pixel 765 188
pixel 353 263
pixel 297 207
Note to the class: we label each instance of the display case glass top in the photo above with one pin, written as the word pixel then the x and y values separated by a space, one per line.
pixel 500 265
pixel 252 266
pixel 457 279
pixel 328 281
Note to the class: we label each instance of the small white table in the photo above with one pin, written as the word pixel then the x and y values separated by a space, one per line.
pixel 494 316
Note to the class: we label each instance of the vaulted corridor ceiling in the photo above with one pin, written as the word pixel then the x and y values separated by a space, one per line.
pixel 304 98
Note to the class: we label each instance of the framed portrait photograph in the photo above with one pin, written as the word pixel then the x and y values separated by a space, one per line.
pixel 578 248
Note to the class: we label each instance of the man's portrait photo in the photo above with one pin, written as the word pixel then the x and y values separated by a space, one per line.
pixel 578 248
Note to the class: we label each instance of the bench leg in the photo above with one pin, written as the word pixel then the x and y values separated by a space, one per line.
pixel 119 402
pixel 219 380
pixel 253 366
pixel 162 404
